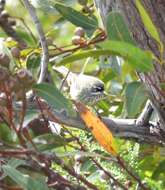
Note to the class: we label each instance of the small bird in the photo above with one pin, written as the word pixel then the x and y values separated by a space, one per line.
pixel 83 88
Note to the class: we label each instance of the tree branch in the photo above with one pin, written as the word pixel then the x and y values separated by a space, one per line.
pixel 145 116
pixel 45 52
pixel 124 128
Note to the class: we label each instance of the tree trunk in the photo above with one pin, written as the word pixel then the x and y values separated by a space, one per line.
pixel 156 10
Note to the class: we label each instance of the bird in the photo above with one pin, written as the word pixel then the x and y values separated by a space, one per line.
pixel 82 88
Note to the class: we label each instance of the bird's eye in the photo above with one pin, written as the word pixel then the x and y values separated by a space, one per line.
pixel 98 89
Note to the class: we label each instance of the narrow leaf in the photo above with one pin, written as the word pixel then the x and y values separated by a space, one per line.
pixel 53 96
pixel 159 170
pixel 117 28
pixel 135 97
pixel 23 180
pixel 137 58
pixel 16 176
pixel 148 22
pixel 99 130
pixel 76 17
pixel 37 184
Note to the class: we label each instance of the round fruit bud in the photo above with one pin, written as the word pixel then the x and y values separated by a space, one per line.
pixel 25 77
pixel 77 40
pixel 15 51
pixel 103 175
pixel 49 41
pixel 79 158
pixel 4 14
pixel 24 74
pixel 82 2
pixel 14 84
pixel 4 60
pixel 79 31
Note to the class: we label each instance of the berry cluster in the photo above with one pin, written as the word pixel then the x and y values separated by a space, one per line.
pixel 79 37
pixel 13 82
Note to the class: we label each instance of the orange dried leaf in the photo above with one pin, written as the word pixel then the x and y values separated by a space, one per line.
pixel 99 130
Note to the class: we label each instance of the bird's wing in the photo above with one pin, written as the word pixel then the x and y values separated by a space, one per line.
pixel 66 73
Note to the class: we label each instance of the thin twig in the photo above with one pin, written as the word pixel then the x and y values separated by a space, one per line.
pixel 45 52
pixel 121 162
pixel 23 112
pixel 64 80
pixel 74 49
pixel 10 109
pixel 109 175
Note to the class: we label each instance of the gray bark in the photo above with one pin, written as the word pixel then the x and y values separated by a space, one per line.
pixel 156 10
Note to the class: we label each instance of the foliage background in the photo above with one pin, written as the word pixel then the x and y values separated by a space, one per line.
pixel 123 87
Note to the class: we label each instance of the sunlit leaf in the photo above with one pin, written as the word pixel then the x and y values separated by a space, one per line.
pixel 137 58
pixel 99 130
pixel 151 28
pixel 117 28
pixel 135 97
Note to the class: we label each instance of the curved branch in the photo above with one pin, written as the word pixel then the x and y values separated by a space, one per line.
pixel 45 52
pixel 145 116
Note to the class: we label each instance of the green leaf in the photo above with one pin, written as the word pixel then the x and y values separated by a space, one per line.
pixel 14 162
pixel 76 17
pixel 159 170
pixel 37 184
pixel 26 37
pixel 139 59
pixel 52 141
pixel 23 180
pixel 117 29
pixel 148 22
pixel 15 175
pixel 33 64
pixel 53 96
pixel 5 134
pixel 135 97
